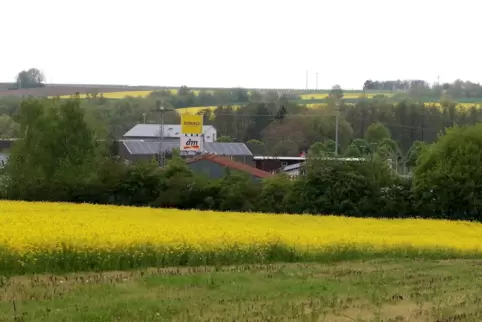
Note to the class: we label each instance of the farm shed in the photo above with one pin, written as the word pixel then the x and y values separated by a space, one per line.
pixel 172 132
pixel 275 163
pixel 134 150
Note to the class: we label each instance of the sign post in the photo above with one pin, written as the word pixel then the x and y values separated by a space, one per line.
pixel 191 133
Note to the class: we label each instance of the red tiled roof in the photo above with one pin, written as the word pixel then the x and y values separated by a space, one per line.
pixel 227 162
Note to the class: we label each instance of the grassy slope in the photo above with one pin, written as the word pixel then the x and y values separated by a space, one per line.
pixel 403 290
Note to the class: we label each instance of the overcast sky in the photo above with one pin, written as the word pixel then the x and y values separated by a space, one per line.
pixel 241 43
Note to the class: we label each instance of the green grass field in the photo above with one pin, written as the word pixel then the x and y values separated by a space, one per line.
pixel 382 290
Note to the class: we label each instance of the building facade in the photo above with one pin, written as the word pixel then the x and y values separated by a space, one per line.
pixel 172 132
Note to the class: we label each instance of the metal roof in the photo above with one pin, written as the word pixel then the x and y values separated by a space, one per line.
pixel 152 130
pixel 148 147
pixel 226 148
pixel 260 157
pixel 227 162
pixel 219 148
pixel 292 166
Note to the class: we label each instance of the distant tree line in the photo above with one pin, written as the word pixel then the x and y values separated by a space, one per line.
pixel 59 159
pixel 185 97
pixel 457 90
pixel 299 127
pixel 272 124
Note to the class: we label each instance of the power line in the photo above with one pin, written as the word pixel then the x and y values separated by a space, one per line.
pixel 162 151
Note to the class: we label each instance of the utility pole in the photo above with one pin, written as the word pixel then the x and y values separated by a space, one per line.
pixel 162 150
pixel 316 80
pixel 337 126
pixel 306 79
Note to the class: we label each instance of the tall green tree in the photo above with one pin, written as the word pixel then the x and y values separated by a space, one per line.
pixel 8 127
pixel 258 122
pixel 256 147
pixel 448 177
pixel 56 153
pixel 414 152
pixel 30 78
pixel 376 133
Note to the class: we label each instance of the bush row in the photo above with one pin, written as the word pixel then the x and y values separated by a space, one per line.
pixel 361 189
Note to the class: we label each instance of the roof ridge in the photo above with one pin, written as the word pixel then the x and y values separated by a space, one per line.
pixel 228 162
pixel 157 124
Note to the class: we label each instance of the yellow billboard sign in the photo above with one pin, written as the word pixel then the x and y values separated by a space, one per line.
pixel 191 124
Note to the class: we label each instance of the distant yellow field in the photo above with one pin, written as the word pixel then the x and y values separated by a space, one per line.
pixel 120 95
pixel 197 109
pixel 318 96
pixel 459 105
pixel 194 109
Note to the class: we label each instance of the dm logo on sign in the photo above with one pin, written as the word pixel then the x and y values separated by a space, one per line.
pixel 190 144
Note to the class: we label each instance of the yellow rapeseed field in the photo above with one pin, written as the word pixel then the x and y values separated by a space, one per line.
pixel 53 236
pixel 194 109
pixel 120 95
pixel 197 109
pixel 348 95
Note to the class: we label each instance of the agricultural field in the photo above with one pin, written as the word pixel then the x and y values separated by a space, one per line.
pixel 347 95
pixel 309 98
pixel 116 95
pixel 197 109
pixel 462 106
pixel 371 290
pixel 39 237
pixel 93 263
pixel 194 109
pixel 121 95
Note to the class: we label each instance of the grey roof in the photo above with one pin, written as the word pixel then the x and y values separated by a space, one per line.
pixel 149 147
pixel 152 130
pixel 227 148
pixel 219 148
